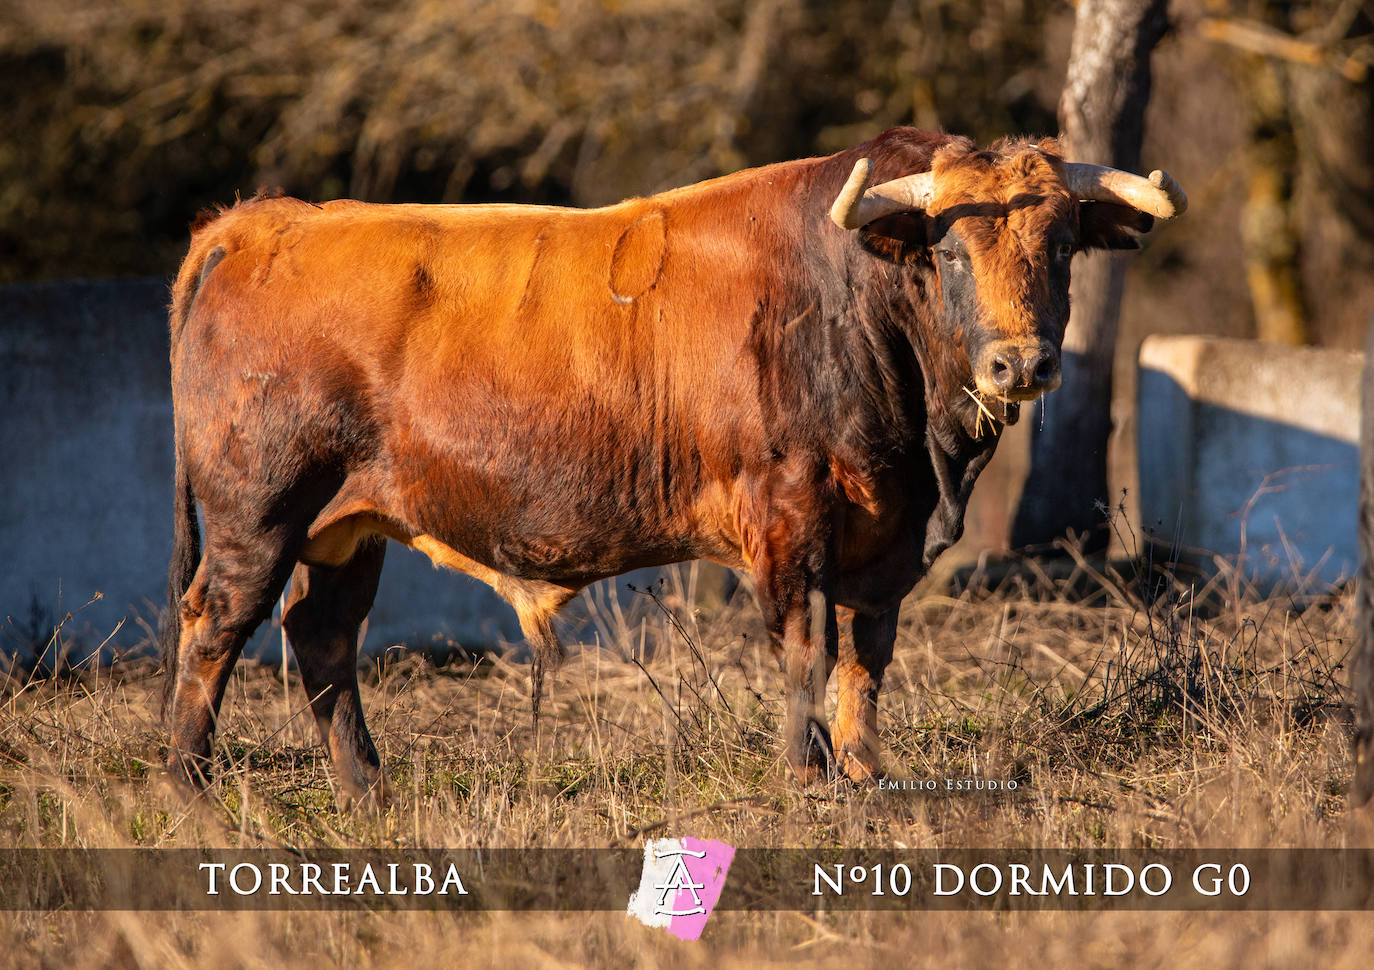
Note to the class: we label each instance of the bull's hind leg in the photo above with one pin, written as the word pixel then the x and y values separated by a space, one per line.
pixel 324 611
pixel 863 658
pixel 233 590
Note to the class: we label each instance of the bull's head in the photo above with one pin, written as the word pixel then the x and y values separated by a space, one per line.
pixel 998 229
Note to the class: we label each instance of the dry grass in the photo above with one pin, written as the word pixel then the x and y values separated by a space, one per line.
pixel 1192 720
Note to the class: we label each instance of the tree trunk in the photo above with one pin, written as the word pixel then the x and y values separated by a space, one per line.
pixel 1102 117
pixel 1268 223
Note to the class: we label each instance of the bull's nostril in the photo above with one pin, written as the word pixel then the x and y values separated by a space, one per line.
pixel 1044 370
pixel 1001 371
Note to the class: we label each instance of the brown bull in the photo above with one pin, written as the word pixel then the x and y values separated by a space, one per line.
pixel 783 370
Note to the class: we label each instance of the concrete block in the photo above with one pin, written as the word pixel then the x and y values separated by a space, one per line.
pixel 1253 446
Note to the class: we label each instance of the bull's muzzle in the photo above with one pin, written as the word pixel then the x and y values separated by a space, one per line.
pixel 1014 371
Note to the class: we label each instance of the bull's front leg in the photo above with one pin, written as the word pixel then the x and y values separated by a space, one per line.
pixel 864 657
pixel 805 639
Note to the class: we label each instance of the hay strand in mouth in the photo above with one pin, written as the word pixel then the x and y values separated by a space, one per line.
pixel 982 413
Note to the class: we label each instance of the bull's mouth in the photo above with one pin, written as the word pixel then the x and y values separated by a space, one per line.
pixel 992 410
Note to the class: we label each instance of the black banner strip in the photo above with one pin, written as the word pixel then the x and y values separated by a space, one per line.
pixel 758 879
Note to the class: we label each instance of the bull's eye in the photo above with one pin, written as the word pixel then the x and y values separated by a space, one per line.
pixel 949 256
pixel 1063 252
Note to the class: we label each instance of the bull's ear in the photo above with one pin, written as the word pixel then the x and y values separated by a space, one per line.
pixel 1107 225
pixel 899 238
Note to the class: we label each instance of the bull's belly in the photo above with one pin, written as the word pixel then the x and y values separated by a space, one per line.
pixel 870 584
pixel 575 558
pixel 498 544
pixel 559 523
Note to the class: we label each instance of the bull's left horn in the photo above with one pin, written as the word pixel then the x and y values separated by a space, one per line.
pixel 857 205
pixel 1159 195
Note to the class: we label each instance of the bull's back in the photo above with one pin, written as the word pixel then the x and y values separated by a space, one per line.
pixel 547 391
pixel 527 289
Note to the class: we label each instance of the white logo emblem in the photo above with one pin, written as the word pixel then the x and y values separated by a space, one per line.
pixel 678 880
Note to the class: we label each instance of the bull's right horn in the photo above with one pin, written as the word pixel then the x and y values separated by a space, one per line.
pixel 857 205
pixel 1159 195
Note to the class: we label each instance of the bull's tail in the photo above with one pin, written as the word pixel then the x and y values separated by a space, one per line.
pixel 185 560
pixel 202 258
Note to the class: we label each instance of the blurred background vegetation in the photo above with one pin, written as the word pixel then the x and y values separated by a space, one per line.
pixel 121 118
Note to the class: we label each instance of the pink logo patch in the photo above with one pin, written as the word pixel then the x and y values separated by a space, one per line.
pixel 681 884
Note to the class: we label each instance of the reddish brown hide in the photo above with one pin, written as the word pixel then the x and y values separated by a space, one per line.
pixel 543 397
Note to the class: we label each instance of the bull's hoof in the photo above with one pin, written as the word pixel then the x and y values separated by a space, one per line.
pixel 187 775
pixel 371 800
pixel 861 767
pixel 816 759
pixel 189 793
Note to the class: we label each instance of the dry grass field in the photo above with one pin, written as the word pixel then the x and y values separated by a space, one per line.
pixel 1131 711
